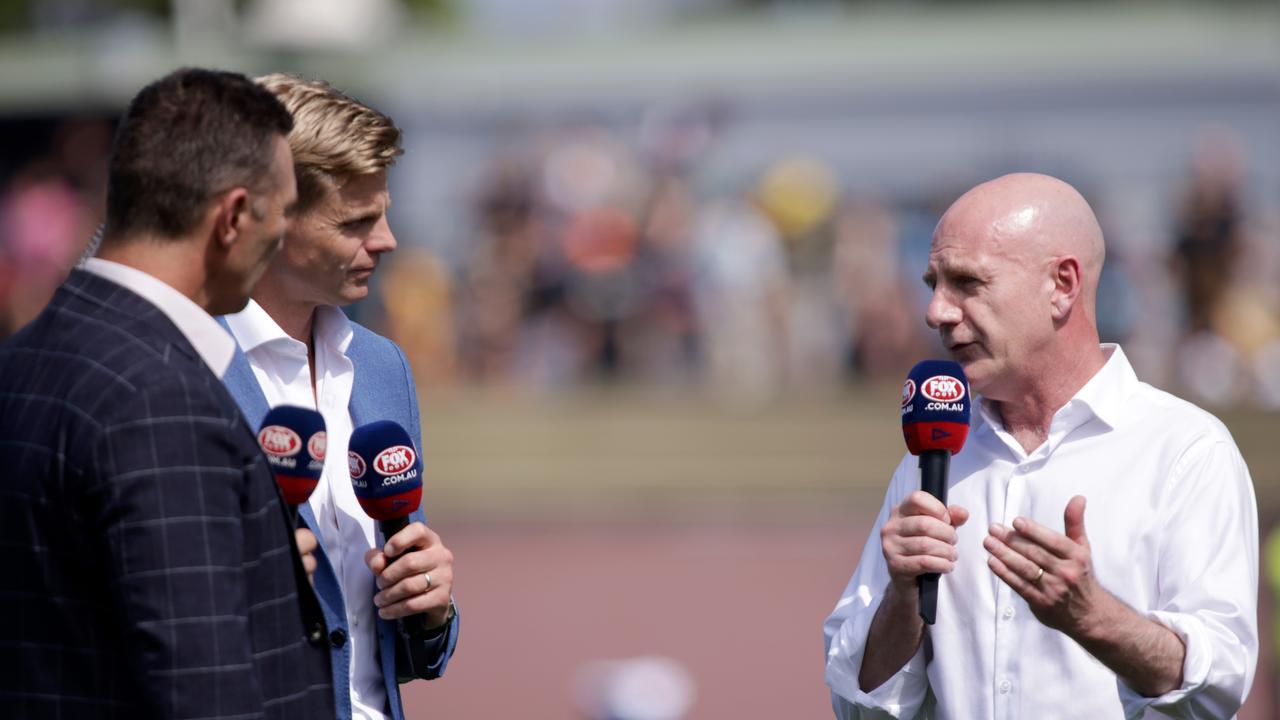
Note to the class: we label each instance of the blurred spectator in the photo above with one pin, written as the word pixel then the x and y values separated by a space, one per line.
pixel 1231 330
pixel 48 211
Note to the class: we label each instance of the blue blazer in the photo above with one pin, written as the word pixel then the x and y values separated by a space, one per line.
pixel 382 390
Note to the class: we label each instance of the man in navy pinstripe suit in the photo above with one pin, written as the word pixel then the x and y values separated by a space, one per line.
pixel 147 566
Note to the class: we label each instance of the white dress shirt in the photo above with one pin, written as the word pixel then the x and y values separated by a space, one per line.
pixel 211 342
pixel 1172 522
pixel 280 365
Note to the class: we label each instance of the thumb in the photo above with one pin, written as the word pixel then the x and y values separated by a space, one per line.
pixel 1073 520
pixel 958 514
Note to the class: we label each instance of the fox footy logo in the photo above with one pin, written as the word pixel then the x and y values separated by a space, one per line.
pixel 394 460
pixel 355 464
pixel 908 391
pixel 317 444
pixel 279 440
pixel 941 388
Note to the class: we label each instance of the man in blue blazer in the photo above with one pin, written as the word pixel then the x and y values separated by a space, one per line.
pixel 148 567
pixel 296 347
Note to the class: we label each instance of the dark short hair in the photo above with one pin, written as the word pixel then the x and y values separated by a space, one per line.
pixel 185 138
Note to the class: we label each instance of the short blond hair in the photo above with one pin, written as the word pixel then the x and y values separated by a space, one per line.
pixel 334 136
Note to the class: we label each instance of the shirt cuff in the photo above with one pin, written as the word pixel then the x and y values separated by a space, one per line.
pixel 1196 664
pixel 900 695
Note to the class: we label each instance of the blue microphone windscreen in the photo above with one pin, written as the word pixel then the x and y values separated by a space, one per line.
pixel 386 471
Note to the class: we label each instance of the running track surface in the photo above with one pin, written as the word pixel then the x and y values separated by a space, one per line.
pixel 740 606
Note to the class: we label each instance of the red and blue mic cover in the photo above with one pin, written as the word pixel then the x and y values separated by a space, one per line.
pixel 386 471
pixel 935 407
pixel 293 440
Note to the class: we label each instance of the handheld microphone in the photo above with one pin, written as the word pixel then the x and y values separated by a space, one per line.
pixel 386 475
pixel 293 440
pixel 935 423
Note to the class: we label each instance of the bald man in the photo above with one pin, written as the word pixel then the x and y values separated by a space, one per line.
pixel 1100 557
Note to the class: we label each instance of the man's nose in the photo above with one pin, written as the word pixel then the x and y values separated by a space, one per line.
pixel 941 310
pixel 381 240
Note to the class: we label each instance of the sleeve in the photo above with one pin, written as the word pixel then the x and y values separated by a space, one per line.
pixel 168 497
pixel 1207 584
pixel 846 630
pixel 428 658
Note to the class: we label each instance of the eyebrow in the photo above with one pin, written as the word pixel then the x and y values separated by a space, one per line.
pixel 970 269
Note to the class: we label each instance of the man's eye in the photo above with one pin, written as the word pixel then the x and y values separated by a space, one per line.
pixel 357 224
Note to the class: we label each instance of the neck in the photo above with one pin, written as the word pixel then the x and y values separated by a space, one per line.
pixel 1028 413
pixel 296 318
pixel 177 262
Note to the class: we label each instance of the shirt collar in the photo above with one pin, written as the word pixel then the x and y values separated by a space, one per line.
pixel 1107 390
pixel 214 346
pixel 254 328
pixel 1102 397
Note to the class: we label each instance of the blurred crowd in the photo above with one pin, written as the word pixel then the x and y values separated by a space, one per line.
pixel 594 257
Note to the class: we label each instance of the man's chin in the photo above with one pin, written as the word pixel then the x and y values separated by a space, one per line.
pixel 354 292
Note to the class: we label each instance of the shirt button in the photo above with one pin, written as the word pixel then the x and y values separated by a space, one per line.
pixel 1005 687
pixel 1008 613
pixel 338 638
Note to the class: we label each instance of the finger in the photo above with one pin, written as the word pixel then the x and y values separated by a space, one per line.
pixel 415 585
pixel 919 546
pixel 925 526
pixel 913 565
pixel 1024 546
pixel 437 598
pixel 375 560
pixel 1030 550
pixel 309 564
pixel 1016 562
pixel 1073 520
pixel 306 540
pixel 416 562
pixel 959 515
pixel 1057 543
pixel 1026 589
pixel 922 503
pixel 414 535
pixel 414 596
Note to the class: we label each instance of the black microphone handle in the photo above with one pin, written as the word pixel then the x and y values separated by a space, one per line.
pixel 414 625
pixel 934 465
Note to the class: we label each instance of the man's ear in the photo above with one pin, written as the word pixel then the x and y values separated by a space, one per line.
pixel 231 212
pixel 1067 283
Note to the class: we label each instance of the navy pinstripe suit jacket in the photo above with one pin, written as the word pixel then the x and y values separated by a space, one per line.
pixel 147 567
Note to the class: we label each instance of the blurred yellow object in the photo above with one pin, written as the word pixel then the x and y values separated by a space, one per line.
pixel 1271 568
pixel 798 194
pixel 417 297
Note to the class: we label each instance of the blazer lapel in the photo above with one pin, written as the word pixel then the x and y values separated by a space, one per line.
pixel 244 387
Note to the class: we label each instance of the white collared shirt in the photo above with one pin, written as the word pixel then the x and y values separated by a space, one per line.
pixel 1172 523
pixel 280 365
pixel 211 342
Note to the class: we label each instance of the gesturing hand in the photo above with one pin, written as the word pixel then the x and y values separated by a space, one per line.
pixel 919 537
pixel 1051 571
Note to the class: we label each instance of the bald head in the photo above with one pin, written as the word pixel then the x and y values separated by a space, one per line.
pixel 1033 218
pixel 1014 269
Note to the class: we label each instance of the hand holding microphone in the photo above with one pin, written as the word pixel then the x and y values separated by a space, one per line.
pixel 919 538
pixel 293 439
pixel 414 570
